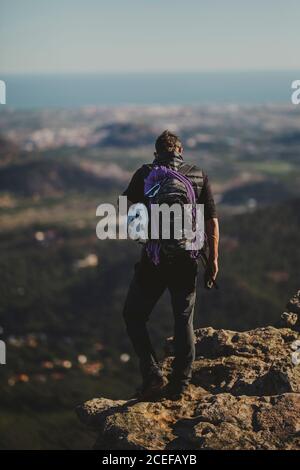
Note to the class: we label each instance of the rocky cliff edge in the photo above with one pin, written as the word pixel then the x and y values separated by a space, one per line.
pixel 245 394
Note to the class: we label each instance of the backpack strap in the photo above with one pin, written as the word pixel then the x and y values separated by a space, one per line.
pixel 185 168
pixel 146 168
pixel 197 178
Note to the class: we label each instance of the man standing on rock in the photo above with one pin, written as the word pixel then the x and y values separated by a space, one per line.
pixel 167 265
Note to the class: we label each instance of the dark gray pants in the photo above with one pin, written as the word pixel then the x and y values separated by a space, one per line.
pixel 178 275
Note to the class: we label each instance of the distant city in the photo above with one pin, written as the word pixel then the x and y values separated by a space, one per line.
pixel 239 144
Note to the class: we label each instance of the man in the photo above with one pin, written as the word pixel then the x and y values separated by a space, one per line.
pixel 177 273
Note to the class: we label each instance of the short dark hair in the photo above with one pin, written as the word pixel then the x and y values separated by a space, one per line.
pixel 167 142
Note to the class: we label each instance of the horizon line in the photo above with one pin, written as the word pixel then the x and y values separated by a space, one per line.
pixel 150 72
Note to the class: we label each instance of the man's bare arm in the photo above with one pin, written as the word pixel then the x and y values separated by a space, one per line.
pixel 212 233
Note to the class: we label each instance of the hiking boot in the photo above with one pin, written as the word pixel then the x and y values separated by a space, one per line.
pixel 151 387
pixel 175 391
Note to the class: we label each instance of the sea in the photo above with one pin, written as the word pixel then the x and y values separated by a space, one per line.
pixel 172 88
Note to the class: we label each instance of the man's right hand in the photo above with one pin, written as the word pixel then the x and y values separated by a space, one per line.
pixel 212 232
pixel 213 268
pixel 211 274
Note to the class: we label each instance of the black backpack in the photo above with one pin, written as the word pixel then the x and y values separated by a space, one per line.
pixel 171 188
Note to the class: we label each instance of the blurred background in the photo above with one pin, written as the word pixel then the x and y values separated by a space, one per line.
pixel 90 85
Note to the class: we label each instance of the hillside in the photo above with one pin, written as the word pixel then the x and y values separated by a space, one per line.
pixel 8 150
pixel 49 177
pixel 263 193
pixel 124 135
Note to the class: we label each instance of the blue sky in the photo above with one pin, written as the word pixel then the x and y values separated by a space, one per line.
pixel 59 36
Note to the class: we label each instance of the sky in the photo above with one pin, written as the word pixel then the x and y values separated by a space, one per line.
pixel 67 36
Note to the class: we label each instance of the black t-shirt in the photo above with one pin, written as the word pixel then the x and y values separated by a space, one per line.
pixel 135 193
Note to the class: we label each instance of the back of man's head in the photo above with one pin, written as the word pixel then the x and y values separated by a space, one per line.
pixel 168 142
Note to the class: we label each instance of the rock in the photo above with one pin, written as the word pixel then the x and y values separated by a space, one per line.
pixel 200 421
pixel 137 425
pixel 247 423
pixel 291 317
pixel 293 304
pixel 288 319
pixel 93 411
pixel 245 394
pixel 256 362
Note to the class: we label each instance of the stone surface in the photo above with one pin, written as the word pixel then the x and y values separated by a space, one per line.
pixel 245 394
pixel 256 362
pixel 288 319
pixel 293 304
pixel 199 421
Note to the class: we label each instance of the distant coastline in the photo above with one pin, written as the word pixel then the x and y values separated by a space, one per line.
pixel 194 88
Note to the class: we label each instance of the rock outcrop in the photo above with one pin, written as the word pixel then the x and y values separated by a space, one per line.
pixel 291 317
pixel 245 394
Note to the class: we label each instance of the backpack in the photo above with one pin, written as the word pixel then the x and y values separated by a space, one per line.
pixel 165 185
